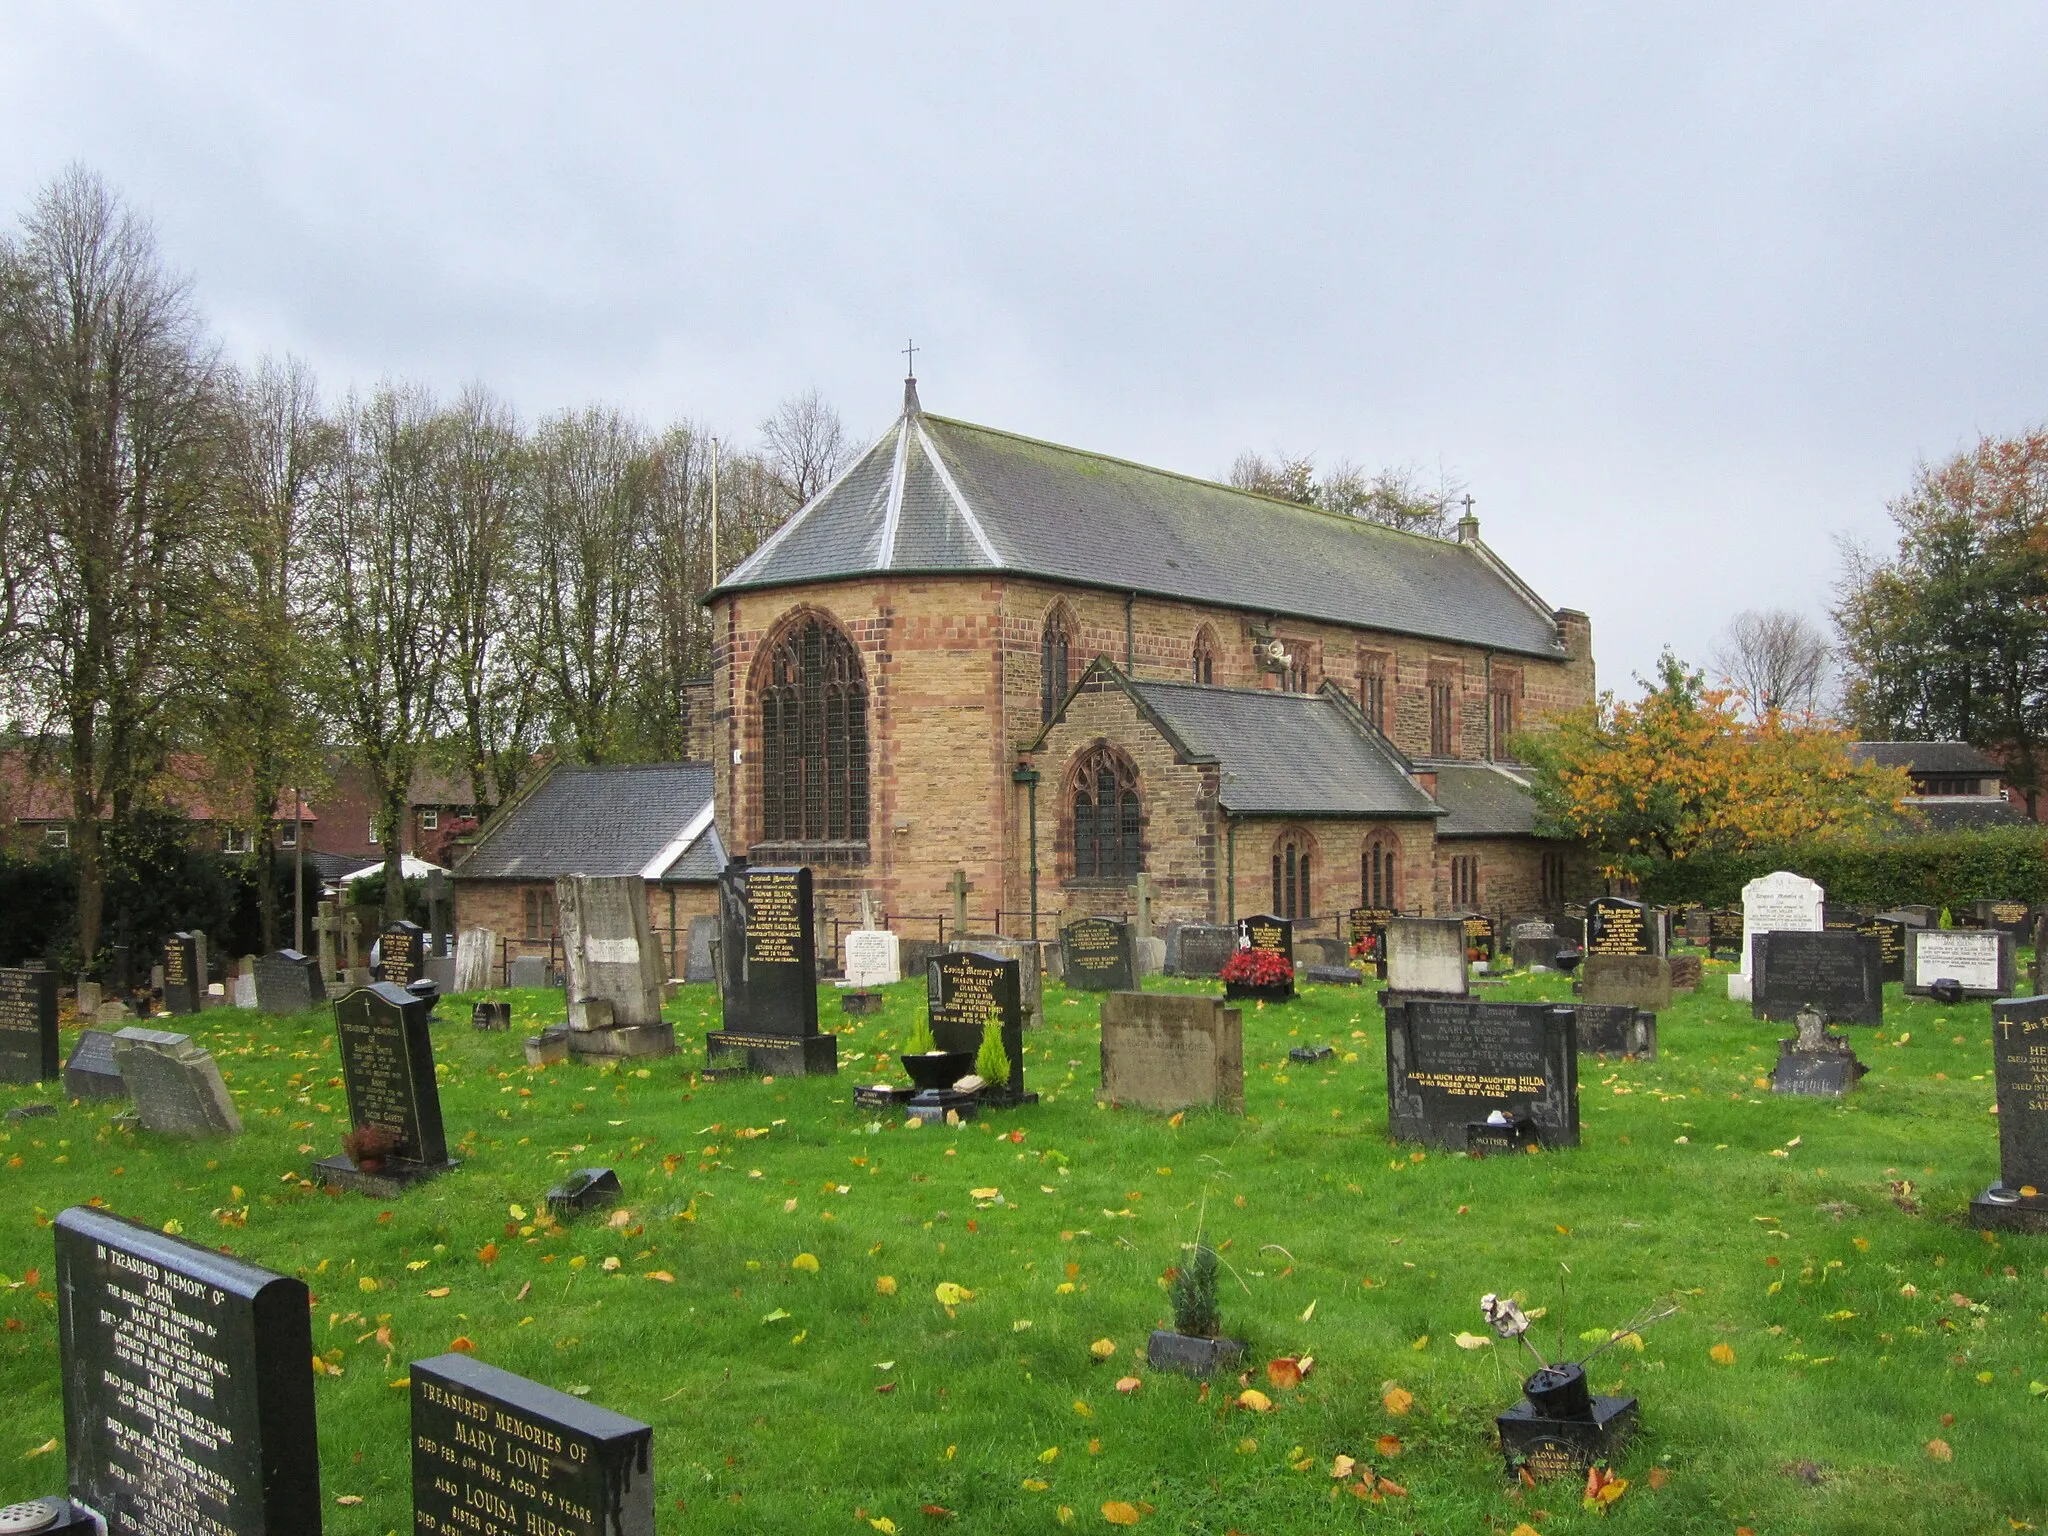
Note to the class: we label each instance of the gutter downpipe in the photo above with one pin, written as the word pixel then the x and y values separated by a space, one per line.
pixel 1028 777
pixel 1230 869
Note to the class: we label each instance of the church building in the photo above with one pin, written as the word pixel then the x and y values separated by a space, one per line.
pixel 1050 670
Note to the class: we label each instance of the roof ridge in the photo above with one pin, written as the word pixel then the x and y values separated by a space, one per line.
pixel 1215 485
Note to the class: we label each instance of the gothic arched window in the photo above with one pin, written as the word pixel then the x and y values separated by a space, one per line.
pixel 1106 817
pixel 1376 887
pixel 1055 648
pixel 814 739
pixel 1292 855
pixel 1205 656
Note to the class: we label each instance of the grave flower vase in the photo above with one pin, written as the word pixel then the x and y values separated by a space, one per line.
pixel 938 1069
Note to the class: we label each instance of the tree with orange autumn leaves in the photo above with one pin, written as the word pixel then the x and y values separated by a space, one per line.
pixel 1683 771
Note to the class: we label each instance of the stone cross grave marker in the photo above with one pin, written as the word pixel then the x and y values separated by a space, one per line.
pixel 962 990
pixel 1426 955
pixel 1838 973
pixel 188 1384
pixel 2018 1200
pixel 768 964
pixel 1167 1052
pixel 1453 1065
pixel 327 928
pixel 1147 949
pixel 387 1068
pixel 1979 958
pixel 176 1085
pixel 438 904
pixel 288 982
pixel 184 972
pixel 28 1025
pixel 494 1454
pixel 959 887
pixel 1099 955
pixel 1777 902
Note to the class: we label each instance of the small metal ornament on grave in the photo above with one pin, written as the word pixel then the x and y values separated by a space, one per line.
pixel 1560 1428
pixel 587 1189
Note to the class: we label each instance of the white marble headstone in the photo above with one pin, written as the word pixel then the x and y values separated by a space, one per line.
pixel 1780 902
pixel 874 957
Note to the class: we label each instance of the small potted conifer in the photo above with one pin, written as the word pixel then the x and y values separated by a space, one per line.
pixel 1193 1346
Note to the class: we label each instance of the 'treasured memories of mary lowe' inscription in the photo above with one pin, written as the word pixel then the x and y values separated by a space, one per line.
pixel 494 1454
pixel 188 1385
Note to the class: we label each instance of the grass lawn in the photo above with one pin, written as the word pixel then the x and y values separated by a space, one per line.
pixel 1884 1366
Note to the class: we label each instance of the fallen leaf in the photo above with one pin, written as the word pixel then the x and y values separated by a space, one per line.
pixel 1939 1450
pixel 1472 1341
pixel 463 1345
pixel 1083 1409
pixel 1659 1477
pixel 1284 1372
pixel 1103 1349
pixel 1254 1399
pixel 488 1254
pixel 1035 1485
pixel 885 1525
pixel 42 1450
pixel 1722 1354
pixel 807 1262
pixel 1128 1384
pixel 438 1291
pixel 951 1295
pixel 1308 1312
pixel 1398 1400
pixel 1340 1466
pixel 936 1511
pixel 885 1285
pixel 1117 1512
pixel 1388 1445
pixel 662 1275
pixel 348 1500
pixel 776 1316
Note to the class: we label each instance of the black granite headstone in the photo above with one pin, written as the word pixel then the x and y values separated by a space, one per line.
pixel 1266 931
pixel 1617 1029
pixel 494 1454
pixel 1890 934
pixel 1724 933
pixel 2019 1056
pixel 188 1385
pixel 1617 926
pixel 1099 955
pixel 387 1068
pixel 1839 972
pixel 1451 1063
pixel 401 953
pixel 183 985
pixel 768 974
pixel 963 990
pixel 91 1072
pixel 28 1025
pixel 2013 917
pixel 288 982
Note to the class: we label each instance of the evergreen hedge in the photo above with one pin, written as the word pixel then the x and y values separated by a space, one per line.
pixel 1936 869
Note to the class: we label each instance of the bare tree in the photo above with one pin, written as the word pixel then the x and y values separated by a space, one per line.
pixel 1397 496
pixel 1777 660
pixel 109 418
pixel 1285 476
pixel 374 533
pixel 807 445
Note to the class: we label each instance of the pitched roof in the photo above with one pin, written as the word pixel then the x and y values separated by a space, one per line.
pixel 1966 813
pixel 1928 757
pixel 1279 754
pixel 1482 799
pixel 646 820
pixel 936 495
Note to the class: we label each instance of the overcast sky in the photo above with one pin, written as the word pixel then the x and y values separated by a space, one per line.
pixel 1684 293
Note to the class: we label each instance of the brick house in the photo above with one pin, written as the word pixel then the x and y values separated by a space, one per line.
pixel 1956 787
pixel 652 820
pixel 36 810
pixel 1050 670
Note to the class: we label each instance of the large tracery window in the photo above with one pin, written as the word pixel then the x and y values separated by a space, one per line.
pixel 814 740
pixel 1106 817
pixel 1055 646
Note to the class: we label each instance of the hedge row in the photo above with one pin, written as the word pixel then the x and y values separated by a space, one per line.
pixel 1936 869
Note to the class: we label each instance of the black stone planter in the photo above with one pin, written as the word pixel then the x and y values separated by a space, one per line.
pixel 1244 991
pixel 1170 1351
pixel 938 1069
pixel 1560 1428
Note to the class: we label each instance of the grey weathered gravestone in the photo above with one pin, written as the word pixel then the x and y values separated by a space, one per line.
pixel 697 962
pixel 91 1071
pixel 88 1002
pixel 1166 1052
pixel 1098 955
pixel 112 1011
pixel 188 1384
pixel 549 1463
pixel 1537 949
pixel 1199 949
pixel 28 1025
pixel 608 947
pixel 1639 981
pixel 476 954
pixel 1816 1062
pixel 1151 955
pixel 1979 958
pixel 1426 955
pixel 1321 951
pixel 2018 1201
pixel 1616 1029
pixel 242 990
pixel 176 1085
pixel 1685 973
pixel 530 971
pixel 874 958
pixel 1839 972
pixel 1030 978
pixel 288 982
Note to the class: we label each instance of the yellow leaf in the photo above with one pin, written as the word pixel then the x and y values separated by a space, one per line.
pixel 951 1295
pixel 348 1500
pixel 885 1285
pixel 516 1212
pixel 1117 1512
pixel 1254 1399
pixel 1472 1341
pixel 1341 1466
pixel 1066 1514
pixel 42 1450
pixel 1035 1485
pixel 1083 1409
pixel 1421 1343
pixel 1049 1454
pixel 1722 1354
pixel 1308 1312
pixel 807 1262
pixel 1128 1384
pixel 885 1525
pixel 1102 1349
pixel 438 1292
pixel 662 1275
pixel 366 1283
pixel 984 1194
pixel 1398 1400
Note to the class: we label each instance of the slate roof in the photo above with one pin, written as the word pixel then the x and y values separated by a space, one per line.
pixel 1966 813
pixel 936 495
pixel 1481 799
pixel 1928 757
pixel 599 821
pixel 1282 754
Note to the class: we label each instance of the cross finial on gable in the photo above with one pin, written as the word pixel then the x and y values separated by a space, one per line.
pixel 910 359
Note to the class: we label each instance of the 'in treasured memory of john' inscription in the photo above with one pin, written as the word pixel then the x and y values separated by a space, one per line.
pixel 188 1385
pixel 494 1454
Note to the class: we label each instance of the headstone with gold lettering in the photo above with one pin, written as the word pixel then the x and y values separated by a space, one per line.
pixel 2018 1202
pixel 967 992
pixel 188 1384
pixel 494 1454
pixel 184 972
pixel 28 1025
pixel 768 976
